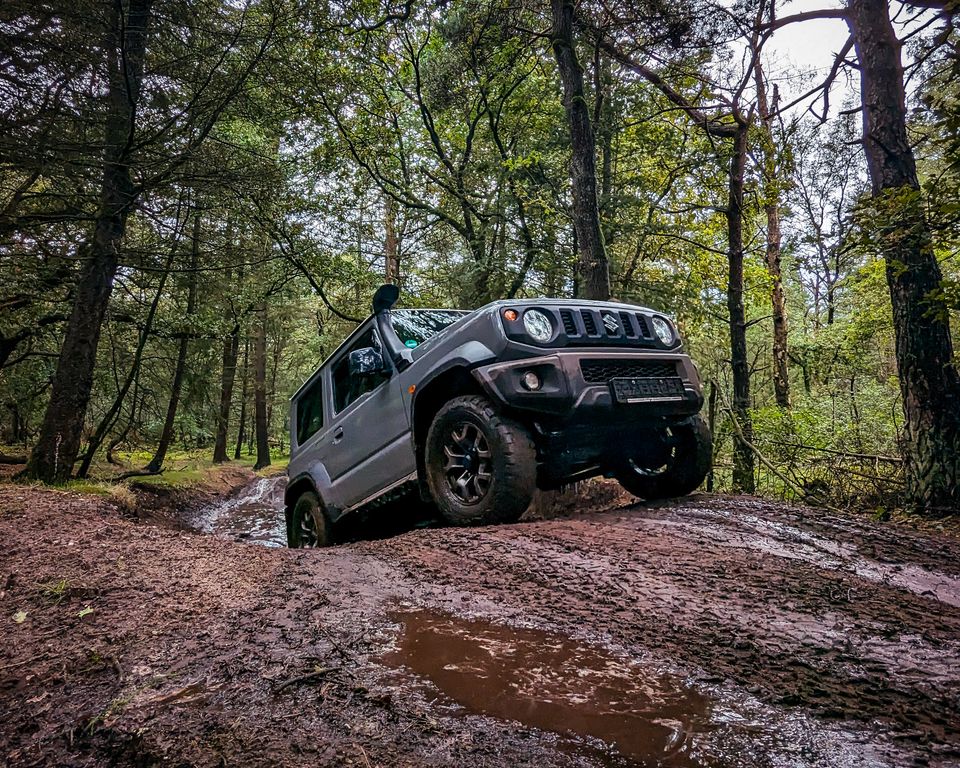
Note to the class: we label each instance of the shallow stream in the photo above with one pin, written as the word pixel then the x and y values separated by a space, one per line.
pixel 254 514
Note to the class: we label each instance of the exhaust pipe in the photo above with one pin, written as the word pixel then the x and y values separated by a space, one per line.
pixel 383 301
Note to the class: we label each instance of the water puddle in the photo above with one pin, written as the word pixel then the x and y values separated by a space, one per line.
pixel 553 683
pixel 255 514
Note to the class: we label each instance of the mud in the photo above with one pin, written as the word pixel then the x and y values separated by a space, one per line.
pixel 714 631
pixel 550 682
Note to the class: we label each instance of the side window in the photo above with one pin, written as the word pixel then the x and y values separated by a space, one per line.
pixel 310 411
pixel 347 388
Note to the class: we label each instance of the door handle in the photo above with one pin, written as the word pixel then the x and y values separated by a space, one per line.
pixel 338 435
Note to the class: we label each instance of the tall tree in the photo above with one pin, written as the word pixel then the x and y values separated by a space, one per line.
pixel 593 269
pixel 124 48
pixel 929 382
pixel 261 425
pixel 772 182
pixel 166 436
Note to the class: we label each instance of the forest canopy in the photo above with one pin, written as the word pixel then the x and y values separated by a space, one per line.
pixel 198 199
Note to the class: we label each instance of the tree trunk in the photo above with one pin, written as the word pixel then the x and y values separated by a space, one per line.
pixel 231 349
pixel 771 206
pixel 260 390
pixel 59 442
pixel 166 436
pixel 391 243
pixel 241 434
pixel 742 453
pixel 594 272
pixel 603 119
pixel 929 383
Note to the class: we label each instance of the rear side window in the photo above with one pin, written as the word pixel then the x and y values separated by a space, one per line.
pixel 310 411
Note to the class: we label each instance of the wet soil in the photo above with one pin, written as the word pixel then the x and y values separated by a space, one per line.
pixel 712 631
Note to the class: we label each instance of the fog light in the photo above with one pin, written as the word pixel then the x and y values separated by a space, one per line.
pixel 530 381
pixel 510 314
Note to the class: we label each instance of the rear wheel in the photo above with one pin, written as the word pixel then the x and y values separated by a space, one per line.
pixel 675 467
pixel 481 467
pixel 308 525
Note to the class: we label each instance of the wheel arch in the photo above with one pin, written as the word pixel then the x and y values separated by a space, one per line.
pixel 296 487
pixel 429 399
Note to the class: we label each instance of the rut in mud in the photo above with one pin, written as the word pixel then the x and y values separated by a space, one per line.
pixel 710 632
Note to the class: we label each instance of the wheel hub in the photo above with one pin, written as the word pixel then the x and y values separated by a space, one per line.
pixel 468 462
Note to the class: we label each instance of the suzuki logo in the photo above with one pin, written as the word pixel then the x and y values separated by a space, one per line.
pixel 611 323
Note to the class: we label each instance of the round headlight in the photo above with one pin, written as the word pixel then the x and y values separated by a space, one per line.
pixel 538 325
pixel 664 331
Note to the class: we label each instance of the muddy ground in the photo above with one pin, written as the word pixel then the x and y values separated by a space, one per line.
pixel 713 631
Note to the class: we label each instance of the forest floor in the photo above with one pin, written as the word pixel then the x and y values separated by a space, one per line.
pixel 712 631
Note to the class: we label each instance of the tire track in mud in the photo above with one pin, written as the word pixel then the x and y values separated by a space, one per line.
pixel 791 630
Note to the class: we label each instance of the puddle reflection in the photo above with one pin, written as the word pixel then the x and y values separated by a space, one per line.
pixel 555 684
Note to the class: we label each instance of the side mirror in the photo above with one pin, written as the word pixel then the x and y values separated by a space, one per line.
pixel 365 362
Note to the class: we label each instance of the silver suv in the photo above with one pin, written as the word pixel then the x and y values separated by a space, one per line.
pixel 475 410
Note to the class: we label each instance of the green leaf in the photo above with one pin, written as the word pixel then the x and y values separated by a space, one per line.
pixel 85 612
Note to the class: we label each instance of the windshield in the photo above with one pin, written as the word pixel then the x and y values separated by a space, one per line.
pixel 415 326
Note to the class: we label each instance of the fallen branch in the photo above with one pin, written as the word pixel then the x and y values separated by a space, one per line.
pixel 8 459
pixel 136 473
pixel 307 678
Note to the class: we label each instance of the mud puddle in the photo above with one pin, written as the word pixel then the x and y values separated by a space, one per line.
pixel 605 707
pixel 255 514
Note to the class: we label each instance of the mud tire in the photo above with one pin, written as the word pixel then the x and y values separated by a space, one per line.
pixel 512 463
pixel 307 523
pixel 687 464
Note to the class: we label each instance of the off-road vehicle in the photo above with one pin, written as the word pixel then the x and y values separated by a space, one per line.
pixel 475 410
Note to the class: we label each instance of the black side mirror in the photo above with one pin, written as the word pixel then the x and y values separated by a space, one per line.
pixel 365 362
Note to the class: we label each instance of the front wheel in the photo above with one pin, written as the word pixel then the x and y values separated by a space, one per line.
pixel 481 466
pixel 676 466
pixel 308 525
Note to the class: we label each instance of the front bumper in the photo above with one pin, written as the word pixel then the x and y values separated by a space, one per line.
pixel 567 393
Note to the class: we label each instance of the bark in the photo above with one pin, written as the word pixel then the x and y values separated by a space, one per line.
pixel 603 118
pixel 929 382
pixel 743 479
pixel 593 272
pixel 59 441
pixel 241 434
pixel 166 436
pixel 261 426
pixel 391 243
pixel 771 207
pixel 231 349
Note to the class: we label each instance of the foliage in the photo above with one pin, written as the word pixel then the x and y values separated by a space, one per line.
pixel 444 125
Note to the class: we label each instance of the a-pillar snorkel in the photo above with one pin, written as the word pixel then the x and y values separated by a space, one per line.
pixel 383 301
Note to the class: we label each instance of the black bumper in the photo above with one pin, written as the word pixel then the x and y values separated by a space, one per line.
pixel 566 391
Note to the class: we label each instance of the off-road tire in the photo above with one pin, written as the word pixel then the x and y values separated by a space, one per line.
pixel 687 466
pixel 512 464
pixel 307 516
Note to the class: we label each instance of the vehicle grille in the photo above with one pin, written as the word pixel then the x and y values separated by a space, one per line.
pixel 600 326
pixel 600 371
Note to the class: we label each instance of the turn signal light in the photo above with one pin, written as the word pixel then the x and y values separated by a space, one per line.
pixel 510 314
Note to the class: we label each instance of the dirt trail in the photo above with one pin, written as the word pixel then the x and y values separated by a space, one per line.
pixel 717 631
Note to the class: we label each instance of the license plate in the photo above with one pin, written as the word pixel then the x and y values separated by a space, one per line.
pixel 639 390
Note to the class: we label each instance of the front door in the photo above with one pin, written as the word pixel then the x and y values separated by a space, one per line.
pixel 368 447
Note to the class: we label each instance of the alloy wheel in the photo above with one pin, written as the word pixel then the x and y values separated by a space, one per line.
pixel 468 465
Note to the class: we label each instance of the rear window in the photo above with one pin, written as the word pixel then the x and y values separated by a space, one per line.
pixel 310 412
pixel 415 326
